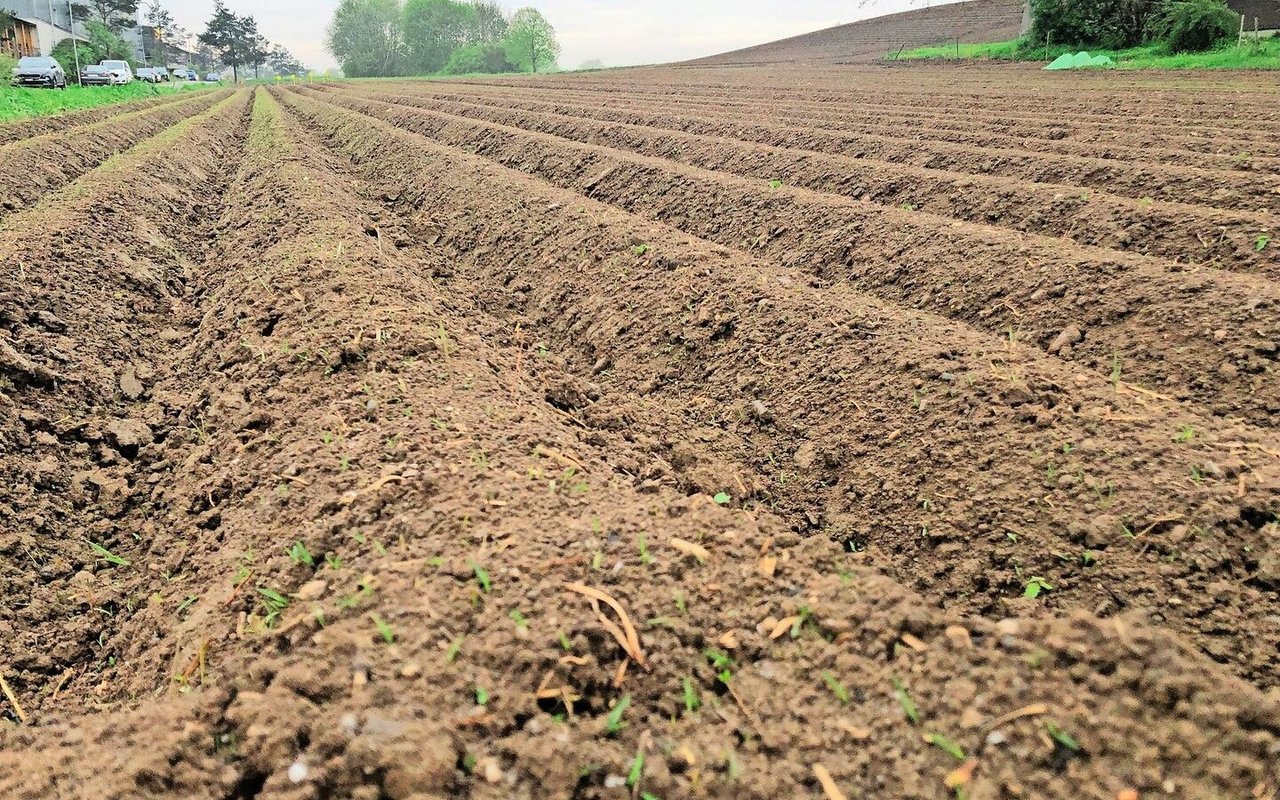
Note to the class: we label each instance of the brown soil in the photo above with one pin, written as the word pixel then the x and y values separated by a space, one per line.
pixel 309 488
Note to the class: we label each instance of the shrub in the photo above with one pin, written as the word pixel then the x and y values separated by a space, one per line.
pixel 1113 24
pixel 483 58
pixel 1193 26
pixel 7 63
pixel 66 55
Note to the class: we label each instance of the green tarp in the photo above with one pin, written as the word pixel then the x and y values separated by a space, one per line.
pixel 1080 60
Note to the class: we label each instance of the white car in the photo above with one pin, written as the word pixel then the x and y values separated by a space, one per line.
pixel 121 70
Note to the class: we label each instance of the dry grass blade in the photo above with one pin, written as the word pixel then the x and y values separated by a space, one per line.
pixel 13 700
pixel 1033 710
pixel 829 787
pixel 627 637
pixel 691 549
pixel 782 626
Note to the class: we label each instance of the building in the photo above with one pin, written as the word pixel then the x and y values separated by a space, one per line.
pixel 39 25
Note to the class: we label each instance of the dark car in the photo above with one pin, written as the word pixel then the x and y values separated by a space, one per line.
pixel 96 75
pixel 39 71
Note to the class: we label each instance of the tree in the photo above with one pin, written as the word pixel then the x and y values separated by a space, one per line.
pixel 258 53
pixel 531 41
pixel 161 26
pixel 488 23
pixel 113 14
pixel 282 62
pixel 433 29
pixel 8 33
pixel 7 26
pixel 106 44
pixel 204 56
pixel 366 37
pixel 232 38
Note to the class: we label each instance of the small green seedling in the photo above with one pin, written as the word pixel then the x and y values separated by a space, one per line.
pixel 722 663
pixel 722 499
pixel 804 614
pixel 563 638
pixel 1061 737
pixel 640 249
pixel 482 578
pixel 301 555
pixel 333 561
pixel 613 723
pixel 909 708
pixel 106 555
pixel 836 687
pixel 388 635
pixel 645 557
pixel 274 602
pixel 1261 242
pixel 943 743
pixel 482 696
pixel 455 647
pixel 518 618
pixel 1035 587
pixel 1185 435
pixel 637 771
pixel 691 700
pixel 775 184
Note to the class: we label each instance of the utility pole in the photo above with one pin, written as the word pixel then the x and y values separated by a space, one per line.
pixel 71 26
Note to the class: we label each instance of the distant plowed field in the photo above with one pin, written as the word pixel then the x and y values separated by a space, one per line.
pixel 970 21
pixel 845 433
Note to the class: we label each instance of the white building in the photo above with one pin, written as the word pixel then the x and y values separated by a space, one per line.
pixel 41 24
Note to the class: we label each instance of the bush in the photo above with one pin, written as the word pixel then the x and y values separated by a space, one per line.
pixel 1113 24
pixel 66 55
pixel 1193 26
pixel 7 63
pixel 478 58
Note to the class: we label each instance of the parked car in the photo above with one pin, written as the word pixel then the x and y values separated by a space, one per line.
pixel 148 75
pixel 97 75
pixel 189 75
pixel 39 71
pixel 121 70
pixel 213 77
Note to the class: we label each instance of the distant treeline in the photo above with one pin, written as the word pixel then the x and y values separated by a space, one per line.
pixel 383 38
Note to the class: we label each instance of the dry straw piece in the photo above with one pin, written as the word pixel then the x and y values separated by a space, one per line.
pixel 627 637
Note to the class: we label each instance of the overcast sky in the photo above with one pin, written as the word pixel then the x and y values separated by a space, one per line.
pixel 618 32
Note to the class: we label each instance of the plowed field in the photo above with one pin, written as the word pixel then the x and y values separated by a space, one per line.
pixel 727 433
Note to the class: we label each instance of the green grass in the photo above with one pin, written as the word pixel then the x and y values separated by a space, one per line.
pixel 1264 54
pixel 21 103
pixel 993 51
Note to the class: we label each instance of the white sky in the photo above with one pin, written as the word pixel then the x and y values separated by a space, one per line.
pixel 618 32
